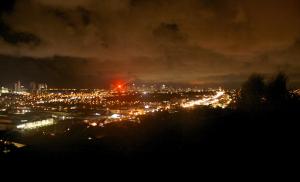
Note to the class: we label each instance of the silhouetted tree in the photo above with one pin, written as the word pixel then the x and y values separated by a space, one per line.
pixel 252 93
pixel 277 93
pixel 255 94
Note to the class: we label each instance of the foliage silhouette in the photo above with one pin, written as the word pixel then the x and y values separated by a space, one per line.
pixel 252 93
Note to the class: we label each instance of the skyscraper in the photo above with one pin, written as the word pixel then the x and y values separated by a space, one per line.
pixel 32 86
pixel 17 86
pixel 42 87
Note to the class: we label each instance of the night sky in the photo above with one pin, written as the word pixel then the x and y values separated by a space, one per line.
pixel 91 43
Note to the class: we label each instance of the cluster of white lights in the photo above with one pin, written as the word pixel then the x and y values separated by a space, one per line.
pixel 36 124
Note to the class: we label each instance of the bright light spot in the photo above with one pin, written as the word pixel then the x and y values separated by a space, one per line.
pixel 18 145
pixel 115 116
pixel 94 124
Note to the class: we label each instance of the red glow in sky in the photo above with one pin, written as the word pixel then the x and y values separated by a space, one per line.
pixel 118 85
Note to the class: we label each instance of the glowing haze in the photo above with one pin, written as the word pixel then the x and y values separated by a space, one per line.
pixel 89 43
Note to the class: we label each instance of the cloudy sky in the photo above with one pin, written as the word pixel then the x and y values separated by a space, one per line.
pixel 90 43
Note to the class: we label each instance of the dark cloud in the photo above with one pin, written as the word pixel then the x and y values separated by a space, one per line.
pixel 85 16
pixel 168 32
pixel 199 41
pixel 8 34
pixel 74 18
pixel 7 6
pixel 12 37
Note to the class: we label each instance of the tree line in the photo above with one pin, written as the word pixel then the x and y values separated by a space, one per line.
pixel 258 93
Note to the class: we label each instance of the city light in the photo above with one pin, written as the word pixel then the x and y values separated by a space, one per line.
pixel 93 124
pixel 213 100
pixel 107 106
pixel 36 124
pixel 115 116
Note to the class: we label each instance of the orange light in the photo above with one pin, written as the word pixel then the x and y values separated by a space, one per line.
pixel 119 86
pixel 94 124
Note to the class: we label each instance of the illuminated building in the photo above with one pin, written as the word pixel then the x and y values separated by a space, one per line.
pixel 33 88
pixel 17 86
pixel 36 124
pixel 42 87
pixel 4 90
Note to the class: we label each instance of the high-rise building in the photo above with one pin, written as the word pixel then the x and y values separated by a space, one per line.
pixel 32 87
pixel 42 87
pixel 4 90
pixel 18 86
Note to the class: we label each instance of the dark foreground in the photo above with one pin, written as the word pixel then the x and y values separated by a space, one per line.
pixel 204 135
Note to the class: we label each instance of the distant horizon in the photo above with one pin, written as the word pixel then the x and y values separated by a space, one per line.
pixel 108 84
